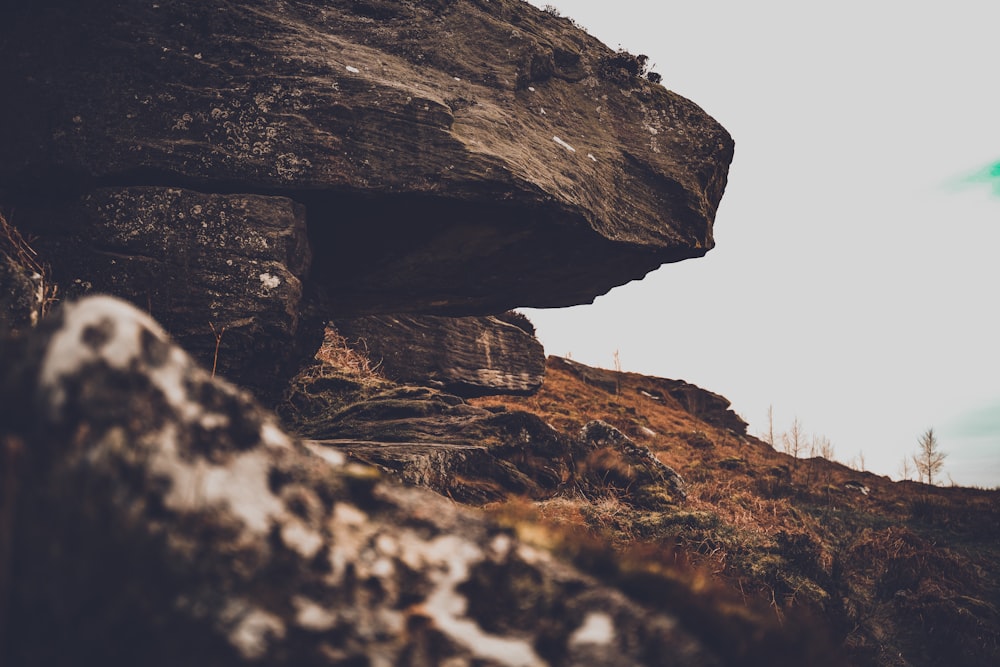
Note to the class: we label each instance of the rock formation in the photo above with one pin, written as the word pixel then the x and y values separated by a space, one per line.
pixel 206 265
pixel 471 454
pixel 456 157
pixel 245 172
pixel 708 406
pixel 468 356
pixel 160 517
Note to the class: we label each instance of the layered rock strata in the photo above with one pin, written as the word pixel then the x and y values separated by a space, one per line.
pixel 468 356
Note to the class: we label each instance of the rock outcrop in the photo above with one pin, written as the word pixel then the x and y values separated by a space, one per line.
pixel 468 356
pixel 453 157
pixel 706 405
pixel 223 273
pixel 471 454
pixel 162 518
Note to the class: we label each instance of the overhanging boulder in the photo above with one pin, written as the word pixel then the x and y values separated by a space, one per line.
pixel 454 157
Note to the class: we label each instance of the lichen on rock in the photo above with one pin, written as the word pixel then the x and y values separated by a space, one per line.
pixel 164 518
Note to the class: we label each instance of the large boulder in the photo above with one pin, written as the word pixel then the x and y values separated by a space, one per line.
pixel 453 157
pixel 155 515
pixel 468 356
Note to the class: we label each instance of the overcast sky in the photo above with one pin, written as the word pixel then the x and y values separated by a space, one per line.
pixel 854 281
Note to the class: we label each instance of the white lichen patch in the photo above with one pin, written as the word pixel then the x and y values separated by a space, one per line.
pixel 500 546
pixel 253 629
pixel 334 457
pixel 446 561
pixel 382 568
pixel 301 538
pixel 268 281
pixel 349 515
pixel 274 437
pixel 351 530
pixel 241 485
pixel 450 558
pixel 310 615
pixel 597 628
pixel 120 326
pixel 564 144
pixel 213 420
pixel 387 545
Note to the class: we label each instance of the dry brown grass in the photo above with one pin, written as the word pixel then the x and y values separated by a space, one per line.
pixel 793 537
pixel 336 352
pixel 15 247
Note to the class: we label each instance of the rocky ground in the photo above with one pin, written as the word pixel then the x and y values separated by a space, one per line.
pixel 898 573
pixel 901 573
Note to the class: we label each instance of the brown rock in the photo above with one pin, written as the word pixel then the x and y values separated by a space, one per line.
pixel 706 405
pixel 455 157
pixel 203 264
pixel 467 356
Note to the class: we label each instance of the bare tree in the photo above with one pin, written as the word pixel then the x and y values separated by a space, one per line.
pixel 769 435
pixel 929 459
pixel 904 469
pixel 618 372
pixel 821 446
pixel 794 442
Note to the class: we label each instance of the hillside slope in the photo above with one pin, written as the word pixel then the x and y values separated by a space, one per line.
pixel 902 573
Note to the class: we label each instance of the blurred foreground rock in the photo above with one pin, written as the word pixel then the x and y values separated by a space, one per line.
pixel 156 516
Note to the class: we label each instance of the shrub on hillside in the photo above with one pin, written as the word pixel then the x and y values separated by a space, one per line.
pixel 519 320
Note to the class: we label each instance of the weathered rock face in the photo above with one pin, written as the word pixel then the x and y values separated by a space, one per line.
pixel 430 438
pixel 454 157
pixel 224 269
pixel 163 518
pixel 468 356
pixel 472 454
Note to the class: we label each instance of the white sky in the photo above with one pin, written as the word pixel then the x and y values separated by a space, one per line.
pixel 854 280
